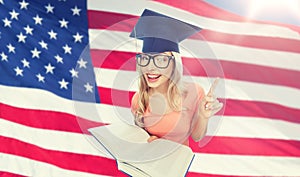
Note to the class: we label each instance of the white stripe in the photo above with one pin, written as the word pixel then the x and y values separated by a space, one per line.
pixel 136 8
pixel 238 90
pixel 28 167
pixel 247 127
pixel 120 41
pixel 19 97
pixel 51 139
pixel 246 165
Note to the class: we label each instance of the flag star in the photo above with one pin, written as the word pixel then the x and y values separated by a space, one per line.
pixel 63 84
pixel 49 68
pixel 28 29
pixel 21 37
pixel 76 11
pixel 49 8
pixel 88 87
pixel 77 37
pixel 25 63
pixel 74 73
pixel 82 63
pixel 40 78
pixel 14 15
pixel 67 49
pixel 19 72
pixel 35 53
pixel 6 22
pixel 11 49
pixel 37 20
pixel 1 2
pixel 4 57
pixel 59 59
pixel 43 44
pixel 63 23
pixel 23 4
pixel 52 34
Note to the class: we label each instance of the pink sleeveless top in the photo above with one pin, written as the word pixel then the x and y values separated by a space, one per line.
pixel 176 125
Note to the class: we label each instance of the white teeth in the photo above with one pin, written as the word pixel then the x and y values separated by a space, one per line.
pixel 153 76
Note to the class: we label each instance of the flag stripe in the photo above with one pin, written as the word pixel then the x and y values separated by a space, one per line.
pixel 197 67
pixel 249 146
pixel 46 119
pixel 102 39
pixel 7 174
pixel 217 13
pixel 231 165
pixel 214 23
pixel 210 11
pixel 125 23
pixel 64 160
pixel 28 167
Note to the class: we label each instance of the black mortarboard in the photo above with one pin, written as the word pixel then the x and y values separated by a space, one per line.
pixel 161 33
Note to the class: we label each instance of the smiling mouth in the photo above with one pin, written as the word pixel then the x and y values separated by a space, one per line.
pixel 153 77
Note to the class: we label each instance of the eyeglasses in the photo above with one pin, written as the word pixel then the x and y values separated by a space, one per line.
pixel 160 61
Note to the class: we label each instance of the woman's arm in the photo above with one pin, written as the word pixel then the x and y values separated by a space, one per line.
pixel 208 107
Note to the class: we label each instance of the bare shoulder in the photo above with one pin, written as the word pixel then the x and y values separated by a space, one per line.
pixel 193 88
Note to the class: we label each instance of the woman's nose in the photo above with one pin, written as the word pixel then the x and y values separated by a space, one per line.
pixel 151 65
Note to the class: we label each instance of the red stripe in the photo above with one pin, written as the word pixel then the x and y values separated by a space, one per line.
pixel 205 67
pixel 46 119
pixel 260 42
pixel 123 22
pixel 110 20
pixel 193 174
pixel 9 174
pixel 232 107
pixel 261 109
pixel 205 9
pixel 248 146
pixel 65 160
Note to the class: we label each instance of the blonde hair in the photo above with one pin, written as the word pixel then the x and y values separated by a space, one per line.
pixel 174 91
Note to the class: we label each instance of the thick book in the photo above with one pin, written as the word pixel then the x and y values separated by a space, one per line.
pixel 136 157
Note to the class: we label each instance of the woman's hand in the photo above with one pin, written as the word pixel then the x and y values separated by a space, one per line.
pixel 210 105
pixel 152 138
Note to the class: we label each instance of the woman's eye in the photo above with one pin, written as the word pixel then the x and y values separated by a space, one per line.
pixel 145 58
pixel 163 59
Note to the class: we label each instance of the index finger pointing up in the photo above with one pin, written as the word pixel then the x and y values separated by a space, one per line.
pixel 213 87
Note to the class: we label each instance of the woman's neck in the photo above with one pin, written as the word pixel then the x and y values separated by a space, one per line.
pixel 162 89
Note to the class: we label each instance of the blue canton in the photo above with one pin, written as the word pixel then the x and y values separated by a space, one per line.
pixel 42 46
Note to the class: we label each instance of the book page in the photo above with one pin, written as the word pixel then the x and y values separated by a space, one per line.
pixel 129 143
pixel 175 164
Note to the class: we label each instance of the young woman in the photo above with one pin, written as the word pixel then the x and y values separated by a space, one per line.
pixel 165 106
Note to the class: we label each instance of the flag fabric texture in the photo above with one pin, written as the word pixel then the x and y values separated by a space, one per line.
pixel 56 55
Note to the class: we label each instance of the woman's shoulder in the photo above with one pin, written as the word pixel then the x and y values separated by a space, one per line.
pixel 193 88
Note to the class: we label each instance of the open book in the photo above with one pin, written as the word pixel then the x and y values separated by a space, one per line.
pixel 136 157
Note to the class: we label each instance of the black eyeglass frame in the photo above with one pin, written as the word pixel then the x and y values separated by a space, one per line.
pixel 139 55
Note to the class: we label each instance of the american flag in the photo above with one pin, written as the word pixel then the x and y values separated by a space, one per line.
pixel 49 50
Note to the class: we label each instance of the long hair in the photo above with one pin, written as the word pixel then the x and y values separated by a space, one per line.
pixel 174 91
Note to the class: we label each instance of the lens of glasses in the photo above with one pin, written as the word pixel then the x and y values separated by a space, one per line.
pixel 143 60
pixel 160 61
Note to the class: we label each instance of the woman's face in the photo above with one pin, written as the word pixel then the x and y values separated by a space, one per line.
pixel 156 77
